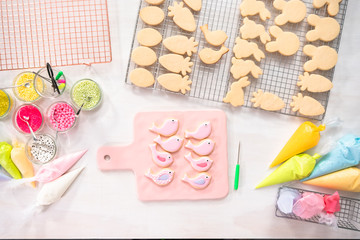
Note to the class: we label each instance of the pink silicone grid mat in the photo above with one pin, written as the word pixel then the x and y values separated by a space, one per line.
pixel 212 82
pixel 62 32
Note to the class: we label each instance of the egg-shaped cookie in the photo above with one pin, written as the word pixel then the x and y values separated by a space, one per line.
pixel 143 56
pixel 152 15
pixel 149 37
pixel 141 77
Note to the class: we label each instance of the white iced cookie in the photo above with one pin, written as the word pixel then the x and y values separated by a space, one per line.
pixel 194 4
pixel 251 30
pixel 254 7
pixel 332 5
pixel 149 37
pixel 267 101
pixel 241 68
pixel 174 82
pixel 210 56
pixel 215 38
pixel 293 11
pixel 236 94
pixel 152 15
pixel 244 49
pixel 323 57
pixel 326 29
pixel 314 83
pixel 143 56
pixel 176 63
pixel 141 77
pixel 286 43
pixel 182 16
pixel 154 2
pixel 180 44
pixel 307 106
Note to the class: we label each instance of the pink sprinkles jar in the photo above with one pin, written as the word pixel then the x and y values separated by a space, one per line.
pixel 61 116
pixel 30 113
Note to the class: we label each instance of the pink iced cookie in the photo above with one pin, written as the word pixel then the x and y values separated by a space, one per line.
pixel 168 128
pixel 200 181
pixel 172 144
pixel 205 147
pixel 162 159
pixel 332 203
pixel 201 164
pixel 203 131
pixel 162 178
pixel 311 204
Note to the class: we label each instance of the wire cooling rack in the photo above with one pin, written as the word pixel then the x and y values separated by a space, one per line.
pixel 348 217
pixel 62 32
pixel 212 82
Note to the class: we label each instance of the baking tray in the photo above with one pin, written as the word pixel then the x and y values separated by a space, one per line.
pixel 348 217
pixel 212 82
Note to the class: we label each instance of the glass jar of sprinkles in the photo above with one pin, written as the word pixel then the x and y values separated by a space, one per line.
pixel 87 92
pixel 28 113
pixel 6 104
pixel 26 92
pixel 43 84
pixel 61 116
pixel 42 150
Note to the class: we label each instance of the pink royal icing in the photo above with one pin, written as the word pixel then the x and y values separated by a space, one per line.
pixel 168 128
pixel 205 147
pixel 201 164
pixel 203 131
pixel 162 178
pixel 162 159
pixel 200 181
pixel 172 144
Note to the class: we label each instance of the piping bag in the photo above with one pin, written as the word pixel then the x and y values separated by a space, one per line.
pixel 6 162
pixel 347 180
pixel 21 161
pixel 4 177
pixel 51 171
pixel 345 154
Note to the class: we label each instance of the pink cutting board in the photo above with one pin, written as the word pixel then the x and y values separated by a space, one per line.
pixel 137 156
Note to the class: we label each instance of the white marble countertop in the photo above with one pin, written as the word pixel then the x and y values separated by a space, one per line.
pixel 104 204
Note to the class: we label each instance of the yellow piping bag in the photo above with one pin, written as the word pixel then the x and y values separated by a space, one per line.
pixel 296 168
pixel 347 180
pixel 6 162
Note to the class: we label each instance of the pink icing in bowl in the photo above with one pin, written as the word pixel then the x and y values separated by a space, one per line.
pixel 34 114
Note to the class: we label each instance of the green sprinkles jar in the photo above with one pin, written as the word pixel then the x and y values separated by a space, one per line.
pixel 87 92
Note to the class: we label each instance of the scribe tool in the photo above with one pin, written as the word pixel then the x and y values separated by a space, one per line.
pixel 237 170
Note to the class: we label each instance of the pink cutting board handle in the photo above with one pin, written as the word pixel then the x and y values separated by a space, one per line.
pixel 115 157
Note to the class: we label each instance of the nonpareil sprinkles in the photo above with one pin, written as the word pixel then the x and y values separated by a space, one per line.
pixel 43 149
pixel 61 116
pixel 87 92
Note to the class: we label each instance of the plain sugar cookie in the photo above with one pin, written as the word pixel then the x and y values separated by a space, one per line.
pixel 154 2
pixel 323 57
pixel 254 7
pixel 176 63
pixel 267 101
pixel 236 94
pixel 241 68
pixel 244 49
pixel 293 11
pixel 180 44
pixel 174 82
pixel 314 83
pixel 286 43
pixel 332 8
pixel 141 77
pixel 194 4
pixel 152 15
pixel 326 29
pixel 215 38
pixel 210 56
pixel 307 106
pixel 182 16
pixel 143 56
pixel 149 37
pixel 251 30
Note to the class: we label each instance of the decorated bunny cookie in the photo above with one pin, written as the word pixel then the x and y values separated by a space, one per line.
pixel 251 30
pixel 293 11
pixel 254 7
pixel 182 16
pixel 287 43
pixel 244 48
pixel 326 29
pixel 323 58
pixel 236 94
pixel 241 68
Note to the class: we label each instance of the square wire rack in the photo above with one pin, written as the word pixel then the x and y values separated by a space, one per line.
pixel 62 32
pixel 212 82
pixel 348 217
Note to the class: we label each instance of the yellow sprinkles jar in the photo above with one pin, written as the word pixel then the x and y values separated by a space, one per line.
pixel 6 104
pixel 26 92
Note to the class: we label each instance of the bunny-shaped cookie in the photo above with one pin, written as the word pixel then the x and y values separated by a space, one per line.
pixel 332 8
pixel 293 11
pixel 243 49
pixel 250 30
pixel 323 57
pixel 253 7
pixel 287 43
pixel 241 68
pixel 236 94
pixel 326 29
